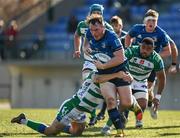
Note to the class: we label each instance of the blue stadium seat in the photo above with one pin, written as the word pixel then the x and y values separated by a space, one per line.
pixel 55 28
pixel 82 10
pixel 56 36
pixel 138 11
pixel 58 45
pixel 63 19
pixel 81 17
pixel 175 8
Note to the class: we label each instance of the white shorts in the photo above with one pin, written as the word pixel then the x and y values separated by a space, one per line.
pixel 89 65
pixel 140 89
pixel 73 116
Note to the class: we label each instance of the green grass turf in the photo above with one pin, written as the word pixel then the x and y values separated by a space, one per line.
pixel 167 125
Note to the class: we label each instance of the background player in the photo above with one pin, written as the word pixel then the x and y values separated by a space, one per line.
pixel 150 29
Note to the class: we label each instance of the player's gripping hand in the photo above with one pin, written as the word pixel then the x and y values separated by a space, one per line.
pixel 87 50
pixel 127 77
pixel 98 64
pixel 172 69
pixel 156 102
pixel 77 54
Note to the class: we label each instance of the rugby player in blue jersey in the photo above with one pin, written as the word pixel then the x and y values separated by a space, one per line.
pixel 105 42
pixel 79 35
pixel 117 24
pixel 150 29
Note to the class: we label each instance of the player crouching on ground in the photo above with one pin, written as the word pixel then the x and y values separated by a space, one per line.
pixel 71 115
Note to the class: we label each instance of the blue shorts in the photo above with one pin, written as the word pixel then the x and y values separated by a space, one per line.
pixel 119 82
pixel 152 76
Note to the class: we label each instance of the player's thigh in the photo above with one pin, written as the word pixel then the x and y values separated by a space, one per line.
pixel 108 90
pixel 109 93
pixel 125 94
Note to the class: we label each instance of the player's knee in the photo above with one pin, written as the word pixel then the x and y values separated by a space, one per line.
pixel 126 103
pixel 142 103
pixel 111 102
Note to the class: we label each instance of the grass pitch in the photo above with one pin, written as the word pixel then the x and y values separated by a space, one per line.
pixel 167 125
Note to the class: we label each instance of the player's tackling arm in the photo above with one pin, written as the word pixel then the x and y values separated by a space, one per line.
pixel 77 45
pixel 166 51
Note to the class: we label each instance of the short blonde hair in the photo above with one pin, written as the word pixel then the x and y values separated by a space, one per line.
pixel 152 13
pixel 95 18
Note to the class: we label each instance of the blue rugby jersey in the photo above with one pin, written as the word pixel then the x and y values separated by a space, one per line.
pixel 138 32
pixel 107 45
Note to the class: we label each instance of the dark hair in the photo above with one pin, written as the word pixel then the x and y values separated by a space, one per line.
pixel 148 41
pixel 116 20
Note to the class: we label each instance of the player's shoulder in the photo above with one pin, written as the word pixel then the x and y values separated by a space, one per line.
pixel 160 30
pixel 82 24
pixel 108 26
pixel 156 56
pixel 134 48
pixel 138 26
pixel 110 35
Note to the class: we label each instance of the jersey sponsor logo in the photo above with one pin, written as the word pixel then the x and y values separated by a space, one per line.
pixel 135 60
pixel 144 86
pixel 117 42
pixel 64 111
pixel 103 45
pixel 139 36
pixel 83 89
pixel 154 38
pixel 149 65
pixel 141 61
pixel 90 42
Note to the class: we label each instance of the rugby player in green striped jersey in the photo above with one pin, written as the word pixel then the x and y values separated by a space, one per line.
pixel 71 115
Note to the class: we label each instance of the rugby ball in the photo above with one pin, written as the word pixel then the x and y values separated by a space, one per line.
pixel 102 57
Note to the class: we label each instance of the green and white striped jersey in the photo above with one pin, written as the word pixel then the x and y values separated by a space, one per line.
pixel 140 68
pixel 89 95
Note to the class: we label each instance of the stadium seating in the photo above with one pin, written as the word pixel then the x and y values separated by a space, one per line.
pixel 57 38
pixel 137 12
pixel 169 21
